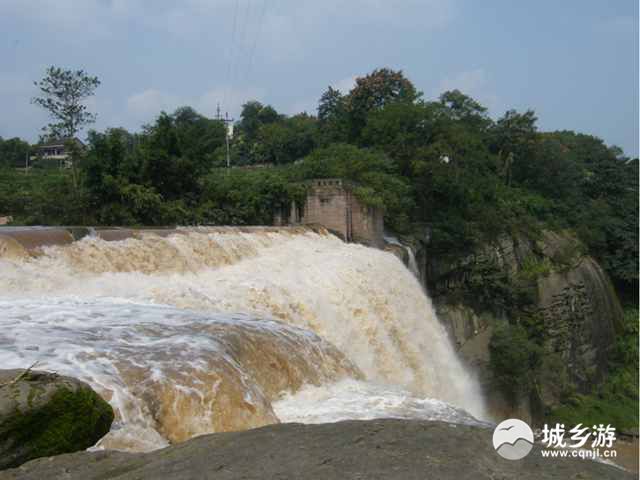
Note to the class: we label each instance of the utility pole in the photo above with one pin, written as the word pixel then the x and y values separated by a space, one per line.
pixel 227 122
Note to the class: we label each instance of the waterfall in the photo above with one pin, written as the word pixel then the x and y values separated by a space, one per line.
pixel 412 265
pixel 202 331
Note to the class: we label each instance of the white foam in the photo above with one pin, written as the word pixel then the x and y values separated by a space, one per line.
pixel 351 399
pixel 79 308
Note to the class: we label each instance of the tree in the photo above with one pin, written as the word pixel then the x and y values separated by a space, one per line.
pixel 288 140
pixel 13 152
pixel 514 359
pixel 464 109
pixel 400 129
pixel 513 138
pixel 62 95
pixel 110 165
pixel 331 105
pixel 332 117
pixel 253 115
pixel 164 167
pixel 372 92
pixel 198 137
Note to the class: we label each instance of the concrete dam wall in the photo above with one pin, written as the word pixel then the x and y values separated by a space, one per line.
pixel 25 239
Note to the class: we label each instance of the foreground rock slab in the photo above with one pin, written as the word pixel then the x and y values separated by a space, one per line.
pixel 375 449
pixel 44 414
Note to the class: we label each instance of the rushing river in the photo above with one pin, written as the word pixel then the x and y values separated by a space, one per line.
pixel 204 331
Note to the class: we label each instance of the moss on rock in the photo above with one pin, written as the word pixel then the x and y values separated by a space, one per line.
pixel 46 422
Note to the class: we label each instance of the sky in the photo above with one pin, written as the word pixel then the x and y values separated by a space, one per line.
pixel 574 62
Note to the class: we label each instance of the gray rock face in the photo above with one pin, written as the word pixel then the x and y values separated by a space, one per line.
pixel 46 414
pixel 549 281
pixel 376 449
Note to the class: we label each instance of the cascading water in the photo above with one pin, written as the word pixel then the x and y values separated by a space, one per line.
pixel 204 331
pixel 412 265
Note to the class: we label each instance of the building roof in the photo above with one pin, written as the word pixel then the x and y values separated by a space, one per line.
pixel 59 142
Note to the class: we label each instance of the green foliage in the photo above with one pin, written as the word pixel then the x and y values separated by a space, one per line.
pixel 62 93
pixel 533 268
pixel 616 400
pixel 41 197
pixel 288 140
pixel 514 359
pixel 373 92
pixel 489 287
pixel 374 174
pixel 13 153
pixel 462 108
pixel 254 115
pixel 246 196
pixel 332 117
pixel 198 137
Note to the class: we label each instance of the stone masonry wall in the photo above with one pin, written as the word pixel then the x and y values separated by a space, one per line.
pixel 367 223
pixel 331 203
pixel 327 204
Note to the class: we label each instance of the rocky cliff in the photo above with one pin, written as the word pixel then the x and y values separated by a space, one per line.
pixel 544 299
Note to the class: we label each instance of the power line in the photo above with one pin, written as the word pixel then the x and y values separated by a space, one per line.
pixel 241 50
pixel 255 39
pixel 231 56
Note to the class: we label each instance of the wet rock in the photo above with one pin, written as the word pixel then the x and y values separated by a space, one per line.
pixel 45 414
pixel 376 449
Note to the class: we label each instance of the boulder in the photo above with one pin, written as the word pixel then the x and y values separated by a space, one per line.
pixel 44 414
pixel 375 449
